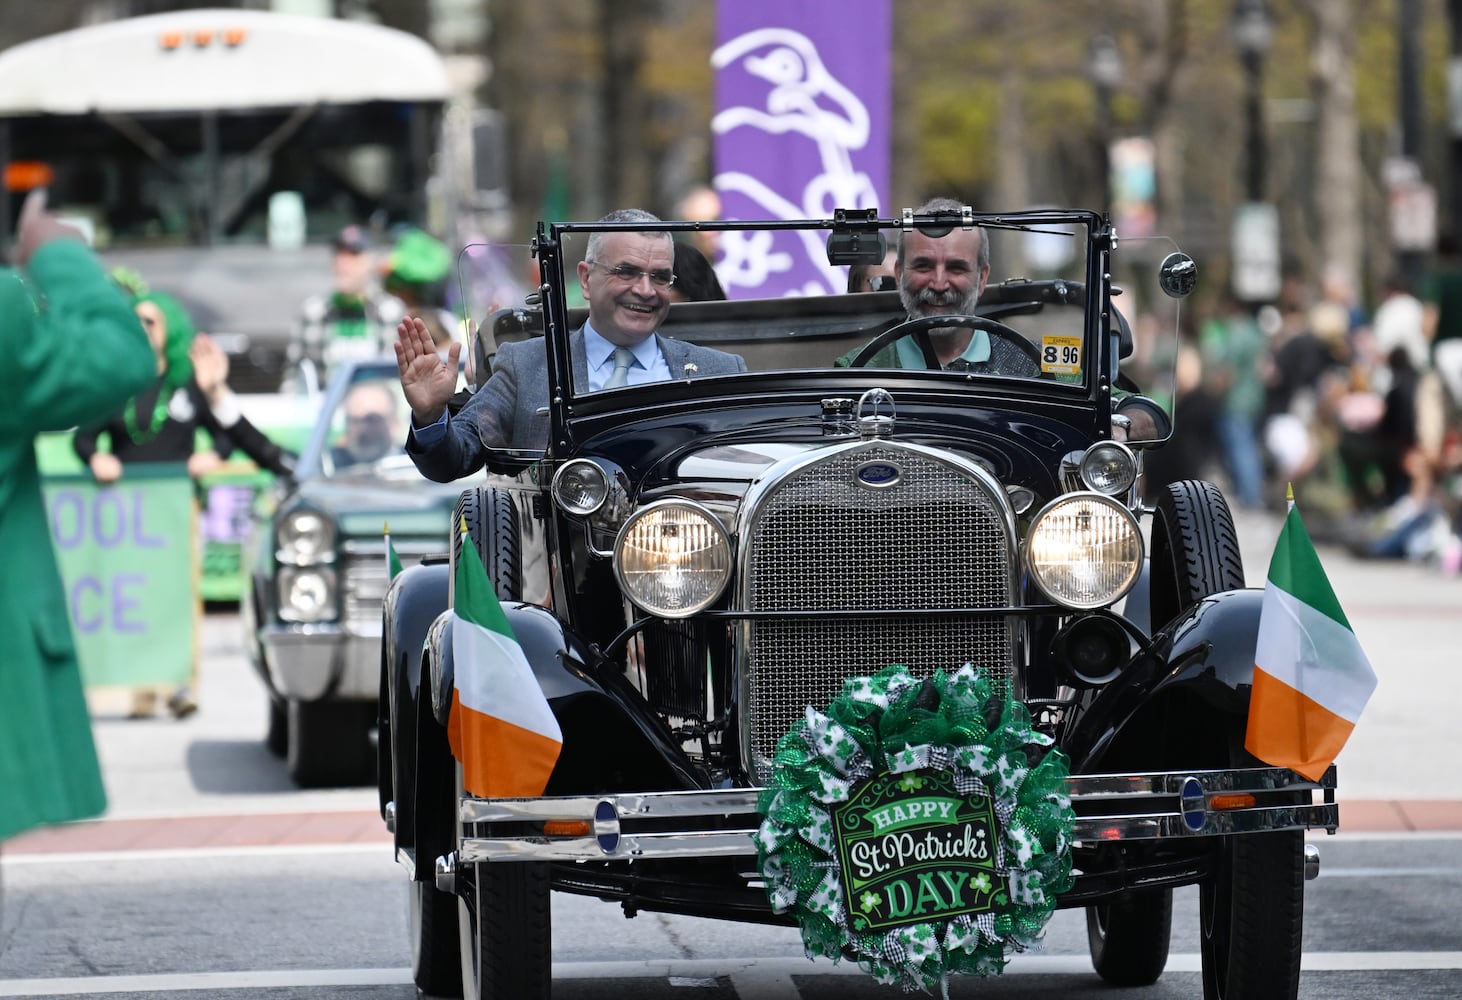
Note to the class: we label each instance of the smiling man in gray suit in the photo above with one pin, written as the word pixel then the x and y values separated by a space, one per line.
pixel 626 278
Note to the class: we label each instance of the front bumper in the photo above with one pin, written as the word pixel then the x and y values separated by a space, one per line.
pixel 320 660
pixel 719 823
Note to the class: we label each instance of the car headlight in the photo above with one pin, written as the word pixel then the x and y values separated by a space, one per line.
pixel 305 536
pixel 580 486
pixel 1109 468
pixel 306 594
pixel 1084 550
pixel 673 558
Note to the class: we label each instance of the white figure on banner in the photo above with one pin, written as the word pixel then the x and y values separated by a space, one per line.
pixel 802 97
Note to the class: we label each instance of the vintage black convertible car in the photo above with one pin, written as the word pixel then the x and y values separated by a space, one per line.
pixel 688 565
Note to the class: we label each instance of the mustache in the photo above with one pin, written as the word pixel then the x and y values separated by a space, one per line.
pixel 933 297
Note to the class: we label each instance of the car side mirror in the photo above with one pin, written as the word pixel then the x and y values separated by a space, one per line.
pixel 1177 275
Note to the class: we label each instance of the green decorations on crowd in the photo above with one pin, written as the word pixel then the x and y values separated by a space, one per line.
pixel 920 826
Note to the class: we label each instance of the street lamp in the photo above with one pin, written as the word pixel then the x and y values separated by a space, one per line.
pixel 1104 68
pixel 1252 29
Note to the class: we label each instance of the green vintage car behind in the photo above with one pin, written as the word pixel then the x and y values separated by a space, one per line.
pixel 316 569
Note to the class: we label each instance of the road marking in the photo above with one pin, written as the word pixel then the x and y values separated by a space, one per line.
pixel 172 854
pixel 1379 872
pixel 748 976
pixel 210 981
pixel 1351 837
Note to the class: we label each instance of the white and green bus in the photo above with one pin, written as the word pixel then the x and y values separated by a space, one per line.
pixel 217 152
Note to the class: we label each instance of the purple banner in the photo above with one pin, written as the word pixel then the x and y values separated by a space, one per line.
pixel 802 127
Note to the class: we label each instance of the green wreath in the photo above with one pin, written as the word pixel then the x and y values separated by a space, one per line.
pixel 961 730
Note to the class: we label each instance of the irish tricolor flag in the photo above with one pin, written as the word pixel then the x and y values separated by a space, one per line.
pixel 1311 678
pixel 501 728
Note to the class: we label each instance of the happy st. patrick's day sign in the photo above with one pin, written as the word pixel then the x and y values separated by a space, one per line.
pixel 913 850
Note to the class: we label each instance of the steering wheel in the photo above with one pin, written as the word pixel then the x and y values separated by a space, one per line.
pixel 939 321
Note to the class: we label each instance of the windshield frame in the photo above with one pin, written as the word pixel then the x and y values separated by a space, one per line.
pixel 568 407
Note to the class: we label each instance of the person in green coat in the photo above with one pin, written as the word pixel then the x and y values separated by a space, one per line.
pixel 74 352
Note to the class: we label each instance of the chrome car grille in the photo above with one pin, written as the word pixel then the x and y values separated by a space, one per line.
pixel 818 540
pixel 364 580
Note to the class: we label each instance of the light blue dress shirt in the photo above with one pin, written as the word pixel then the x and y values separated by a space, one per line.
pixel 649 364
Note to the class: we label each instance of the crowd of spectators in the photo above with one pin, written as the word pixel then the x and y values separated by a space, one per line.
pixel 1349 405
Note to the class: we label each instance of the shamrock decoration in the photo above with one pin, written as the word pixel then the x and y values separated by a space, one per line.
pixel 911 783
pixel 963 724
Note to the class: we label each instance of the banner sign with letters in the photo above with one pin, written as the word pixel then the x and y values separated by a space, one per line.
pixel 802 127
pixel 128 554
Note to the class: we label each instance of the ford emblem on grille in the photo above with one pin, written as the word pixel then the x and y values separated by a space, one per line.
pixel 877 475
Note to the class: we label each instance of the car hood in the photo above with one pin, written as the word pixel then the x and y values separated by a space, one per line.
pixel 363 506
pixel 1017 445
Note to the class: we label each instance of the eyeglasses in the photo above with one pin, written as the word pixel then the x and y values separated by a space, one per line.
pixel 631 275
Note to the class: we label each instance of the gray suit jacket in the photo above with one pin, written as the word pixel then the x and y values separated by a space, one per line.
pixel 511 409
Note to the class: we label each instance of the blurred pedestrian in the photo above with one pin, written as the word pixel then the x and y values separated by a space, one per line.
pixel 74 352
pixel 1442 299
pixel 1399 322
pixel 695 279
pixel 1233 349
pixel 875 277
pixel 1189 454
pixel 702 204
pixel 356 318
pixel 161 424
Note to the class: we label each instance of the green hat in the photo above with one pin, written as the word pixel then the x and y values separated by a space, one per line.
pixel 419 258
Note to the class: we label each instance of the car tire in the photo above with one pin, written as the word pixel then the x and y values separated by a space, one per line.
pixel 492 523
pixel 504 922
pixel 436 966
pixel 436 963
pixel 1251 917
pixel 1195 549
pixel 276 738
pixel 505 928
pixel 1128 937
pixel 329 743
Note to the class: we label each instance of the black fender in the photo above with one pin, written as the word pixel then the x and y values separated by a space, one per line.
pixel 1182 703
pixel 413 601
pixel 612 740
